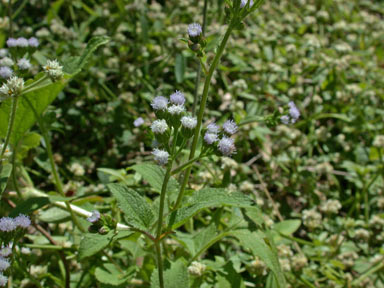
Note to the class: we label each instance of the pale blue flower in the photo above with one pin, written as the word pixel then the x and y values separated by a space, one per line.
pixel 3 280
pixel 161 156
pixel 227 146
pixel 230 127
pixel 194 30
pixel 95 216
pixel 210 138
pixel 159 103
pixel 138 122
pixel 178 98
pixel 7 224
pixel 23 221
pixel 6 72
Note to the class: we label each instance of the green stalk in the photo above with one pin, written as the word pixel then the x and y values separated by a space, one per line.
pixel 160 267
pixel 202 109
pixel 58 184
pixel 185 165
pixel 10 125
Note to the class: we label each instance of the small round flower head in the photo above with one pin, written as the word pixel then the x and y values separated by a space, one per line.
pixel 159 126
pixel 4 264
pixel 6 61
pixel 189 122
pixel 6 72
pixel 3 52
pixel 5 252
pixel 161 156
pixel 54 69
pixel 244 2
pixel 176 109
pixel 210 138
pixel 227 146
pixel 159 103
pixel 194 30
pixel 22 42
pixel 230 127
pixel 3 280
pixel 15 84
pixel 213 128
pixel 94 217
pixel 293 112
pixel 11 42
pixel 22 221
pixel 23 64
pixel 33 42
pixel 178 98
pixel 138 122
pixel 7 224
pixel 284 119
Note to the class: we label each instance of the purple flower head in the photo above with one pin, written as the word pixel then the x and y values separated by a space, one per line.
pixel 194 30
pixel 22 42
pixel 159 103
pixel 210 138
pixel 33 42
pixel 3 280
pixel 284 119
pixel 4 264
pixel 227 146
pixel 293 112
pixel 7 224
pixel 6 72
pixel 244 2
pixel 138 122
pixel 6 251
pixel 230 127
pixel 11 42
pixel 24 64
pixel 94 217
pixel 161 156
pixel 178 98
pixel 23 221
pixel 213 128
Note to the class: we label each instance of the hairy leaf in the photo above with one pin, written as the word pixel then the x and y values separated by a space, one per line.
pixel 175 277
pixel 93 243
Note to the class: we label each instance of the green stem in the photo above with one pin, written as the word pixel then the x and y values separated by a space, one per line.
pixel 160 267
pixel 58 184
pixel 10 18
pixel 14 178
pixel 209 244
pixel 201 111
pixel 184 166
pixel 10 125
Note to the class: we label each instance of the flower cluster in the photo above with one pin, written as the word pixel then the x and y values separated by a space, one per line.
pixel 54 70
pixel 292 116
pixel 225 145
pixel 12 88
pixel 23 42
pixel 101 223
pixel 8 224
pixel 4 265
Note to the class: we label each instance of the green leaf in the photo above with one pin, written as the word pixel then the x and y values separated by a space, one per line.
pixel 257 244
pixel 175 277
pixel 287 227
pixel 25 117
pixel 29 141
pixel 207 197
pixel 73 65
pixel 94 243
pixel 154 175
pixel 137 211
pixel 179 68
pixel 110 275
pixel 229 278
pixel 54 215
pixel 30 205
pixel 5 172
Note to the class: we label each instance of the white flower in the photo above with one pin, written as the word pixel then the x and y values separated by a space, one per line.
pixel 330 206
pixel 6 61
pixel 33 42
pixel 176 109
pixel 77 169
pixel 161 156
pixel 54 69
pixel 178 98
pixel 159 103
pixel 3 52
pixel 189 122
pixel 213 128
pixel 3 280
pixel 22 42
pixel 5 72
pixel 4 264
pixel 230 127
pixel 24 64
pixel 210 138
pixel 196 268
pixel 194 30
pixel 13 87
pixel 159 126
pixel 227 146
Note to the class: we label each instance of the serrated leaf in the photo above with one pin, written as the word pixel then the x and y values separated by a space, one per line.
pixel 137 211
pixel 259 247
pixel 154 175
pixel 30 205
pixel 54 215
pixel 109 274
pixel 205 198
pixel 5 172
pixel 175 277
pixel 93 243
pixel 287 227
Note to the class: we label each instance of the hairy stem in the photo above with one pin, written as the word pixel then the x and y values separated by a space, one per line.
pixel 204 98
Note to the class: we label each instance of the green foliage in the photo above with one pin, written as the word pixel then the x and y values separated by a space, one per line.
pixel 176 276
pixel 5 172
pixel 93 243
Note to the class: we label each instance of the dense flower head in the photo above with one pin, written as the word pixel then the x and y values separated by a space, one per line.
pixel 159 103
pixel 7 224
pixel 244 2
pixel 3 280
pixel 230 127
pixel 293 112
pixel 22 221
pixel 33 42
pixel 12 42
pixel 95 216
pixel 4 264
pixel 176 109
pixel 3 52
pixel 22 42
pixel 161 156
pixel 284 119
pixel 189 122
pixel 178 98
pixel 213 128
pixel 210 138
pixel 227 146
pixel 6 61
pixel 15 85
pixel 194 30
pixel 54 69
pixel 23 64
pixel 5 251
pixel 6 72
pixel 138 122
pixel 159 126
